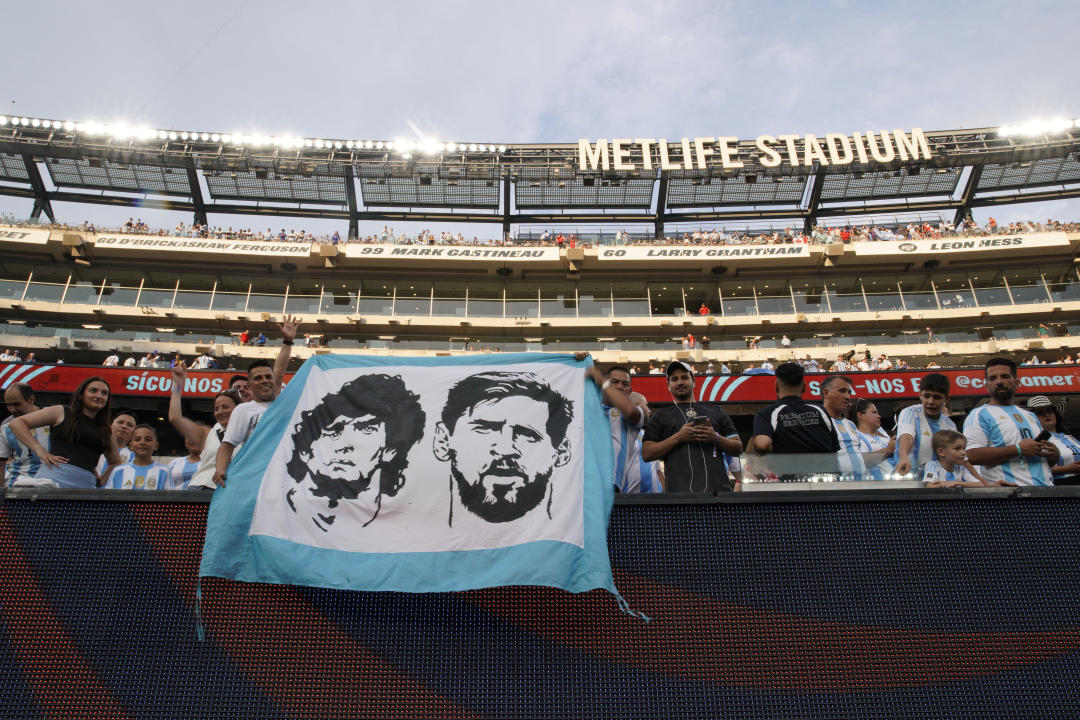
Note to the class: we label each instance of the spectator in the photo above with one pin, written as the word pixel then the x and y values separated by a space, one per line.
pixel 261 340
pixel 865 364
pixel 224 404
pixel 245 337
pixel 240 384
pixel 792 425
pixel 146 361
pixel 130 361
pixel 78 435
pixel 16 457
pixel 141 472
pixel 929 334
pixel 265 384
pixel 724 369
pixel 1051 417
pixel 836 395
pixel 122 425
pixel 627 418
pixel 874 439
pixel 917 424
pixel 705 342
pixel 950 466
pixel 691 438
pixel 6 356
pixel 841 365
pixel 704 310
pixel 112 361
pixel 785 341
pixel 1001 436
pixel 182 469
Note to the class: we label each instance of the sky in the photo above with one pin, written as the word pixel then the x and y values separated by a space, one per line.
pixel 545 72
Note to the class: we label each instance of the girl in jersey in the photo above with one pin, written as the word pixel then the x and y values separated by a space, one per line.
pixel 182 469
pixel 873 438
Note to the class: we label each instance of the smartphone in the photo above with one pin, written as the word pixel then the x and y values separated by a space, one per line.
pixel 700 420
pixel 1043 436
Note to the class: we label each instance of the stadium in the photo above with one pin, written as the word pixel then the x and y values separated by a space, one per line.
pixel 570 361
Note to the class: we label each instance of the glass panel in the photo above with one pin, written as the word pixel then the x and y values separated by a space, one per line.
pixel 1064 292
pixel 156 297
pixel 116 295
pixel 667 300
pixel 232 302
pixel 993 296
pixel 739 305
pixel 376 305
pixel 192 300
pixel 339 302
pixel 884 301
pixel 840 302
pixel 521 308
pixel 302 305
pixel 11 289
pixel 920 300
pixel 449 300
pixel 775 304
pixel 1029 293
pixel 810 300
pixel 82 291
pixel 558 301
pixel 47 292
pixel 412 305
pixel 266 303
pixel 594 305
pixel 633 307
pixel 485 308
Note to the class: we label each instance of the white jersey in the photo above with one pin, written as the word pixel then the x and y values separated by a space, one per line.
pixel 1068 447
pixel 851 460
pixel 130 476
pixel 934 472
pixel 23 461
pixel 913 421
pixel 125 457
pixel 1005 426
pixel 632 474
pixel 877 442
pixel 242 422
pixel 204 476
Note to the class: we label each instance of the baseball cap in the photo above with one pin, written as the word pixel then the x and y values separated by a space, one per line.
pixel 678 365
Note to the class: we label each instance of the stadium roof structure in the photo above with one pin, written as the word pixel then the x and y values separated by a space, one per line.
pixel 205 173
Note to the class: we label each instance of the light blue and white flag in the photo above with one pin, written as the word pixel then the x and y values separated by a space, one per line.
pixel 422 475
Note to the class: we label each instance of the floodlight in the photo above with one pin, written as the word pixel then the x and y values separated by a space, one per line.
pixel 451 146
pixel 307 143
pixel 502 148
pixel 3 120
pixel 319 144
pixel 368 145
pixel 162 135
pixel 337 145
pixel 406 155
pixel 349 144
pixel 184 135
pixel 472 147
pixel 226 138
pixel 81 127
pixel 24 122
pixel 390 145
pixel 69 126
pixel 215 137
pixel 204 137
pixel 46 124
pixel 172 136
pixel 35 122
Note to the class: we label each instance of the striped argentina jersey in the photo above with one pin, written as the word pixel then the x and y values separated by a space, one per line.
pixel 914 422
pixel 934 472
pixel 632 473
pixel 23 462
pixel 876 443
pixel 130 476
pixel 850 454
pixel 1005 426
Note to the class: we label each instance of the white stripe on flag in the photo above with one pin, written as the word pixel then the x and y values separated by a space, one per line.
pixel 37 372
pixel 704 388
pixel 7 369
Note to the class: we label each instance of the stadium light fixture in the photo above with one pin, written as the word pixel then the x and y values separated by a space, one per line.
pixel 226 138
pixel 349 144
pixel 35 122
pixel 502 148
pixel 69 126
pixel 3 120
pixel 172 136
pixel 368 145
pixel 215 137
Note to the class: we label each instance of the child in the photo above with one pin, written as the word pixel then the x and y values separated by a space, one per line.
pixel 141 472
pixel 950 467
pixel 183 468
pixel 918 423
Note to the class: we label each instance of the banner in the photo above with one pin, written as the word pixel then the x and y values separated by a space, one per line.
pixel 201 245
pixel 948 246
pixel 421 475
pixel 24 235
pixel 442 253
pixel 122 381
pixel 970 382
pixel 721 252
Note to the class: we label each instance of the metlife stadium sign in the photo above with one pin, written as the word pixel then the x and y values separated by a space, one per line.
pixel 835 149
pixel 948 246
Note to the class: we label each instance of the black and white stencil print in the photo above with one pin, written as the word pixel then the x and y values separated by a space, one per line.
pixel 429 458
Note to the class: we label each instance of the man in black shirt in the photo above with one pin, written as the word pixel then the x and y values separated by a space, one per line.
pixel 792 425
pixel 692 438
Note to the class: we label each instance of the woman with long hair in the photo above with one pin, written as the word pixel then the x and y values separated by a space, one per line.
pixel 79 434
pixel 209 439
pixel 872 438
